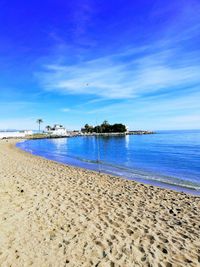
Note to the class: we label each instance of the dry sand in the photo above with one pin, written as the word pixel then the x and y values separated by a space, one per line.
pixel 56 215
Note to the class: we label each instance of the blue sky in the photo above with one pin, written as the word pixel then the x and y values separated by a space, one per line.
pixel 85 61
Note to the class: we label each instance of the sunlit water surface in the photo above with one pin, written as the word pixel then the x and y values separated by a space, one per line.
pixel 170 158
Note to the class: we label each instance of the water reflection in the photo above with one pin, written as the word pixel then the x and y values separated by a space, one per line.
pixel 127 141
pixel 174 154
pixel 59 143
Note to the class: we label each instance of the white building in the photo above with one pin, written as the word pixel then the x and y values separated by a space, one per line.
pixel 57 130
pixel 15 134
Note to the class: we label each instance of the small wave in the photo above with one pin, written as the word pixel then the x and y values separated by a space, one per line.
pixel 119 170
pixel 138 174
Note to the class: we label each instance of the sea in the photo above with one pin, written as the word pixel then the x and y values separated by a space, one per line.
pixel 169 159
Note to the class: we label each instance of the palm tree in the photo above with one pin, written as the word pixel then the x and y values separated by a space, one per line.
pixel 39 121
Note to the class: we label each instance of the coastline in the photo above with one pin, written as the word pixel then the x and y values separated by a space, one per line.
pixel 9 135
pixel 59 215
pixel 138 175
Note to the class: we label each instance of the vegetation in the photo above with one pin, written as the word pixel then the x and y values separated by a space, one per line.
pixel 105 127
pixel 36 136
pixel 39 121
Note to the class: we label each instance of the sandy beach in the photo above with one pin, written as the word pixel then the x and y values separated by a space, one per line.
pixel 57 215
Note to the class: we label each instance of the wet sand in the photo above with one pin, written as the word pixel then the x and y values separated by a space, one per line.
pixel 57 215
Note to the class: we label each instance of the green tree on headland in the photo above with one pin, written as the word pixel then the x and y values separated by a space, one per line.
pixel 105 127
pixel 87 128
pixel 39 121
pixel 118 128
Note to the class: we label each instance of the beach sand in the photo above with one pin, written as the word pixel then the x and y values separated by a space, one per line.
pixel 56 215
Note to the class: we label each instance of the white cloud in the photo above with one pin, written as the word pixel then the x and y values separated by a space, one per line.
pixel 65 109
pixel 160 78
pixel 185 119
pixel 151 106
pixel 109 78
pixel 136 70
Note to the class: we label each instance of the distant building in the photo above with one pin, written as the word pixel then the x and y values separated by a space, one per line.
pixel 27 132
pixel 57 130
pixel 15 134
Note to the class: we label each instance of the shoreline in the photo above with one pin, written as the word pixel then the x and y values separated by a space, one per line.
pixel 113 171
pixel 74 134
pixel 59 215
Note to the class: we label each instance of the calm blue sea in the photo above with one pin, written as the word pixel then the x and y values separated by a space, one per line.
pixel 168 158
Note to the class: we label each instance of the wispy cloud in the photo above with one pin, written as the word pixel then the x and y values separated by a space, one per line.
pixel 157 67
pixel 80 17
pixel 158 76
pixel 118 79
pixel 65 109
pixel 150 106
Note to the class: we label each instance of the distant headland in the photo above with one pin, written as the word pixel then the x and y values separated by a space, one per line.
pixel 59 131
pixel 111 129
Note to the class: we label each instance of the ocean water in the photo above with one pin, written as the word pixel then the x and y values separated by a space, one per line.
pixel 168 158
